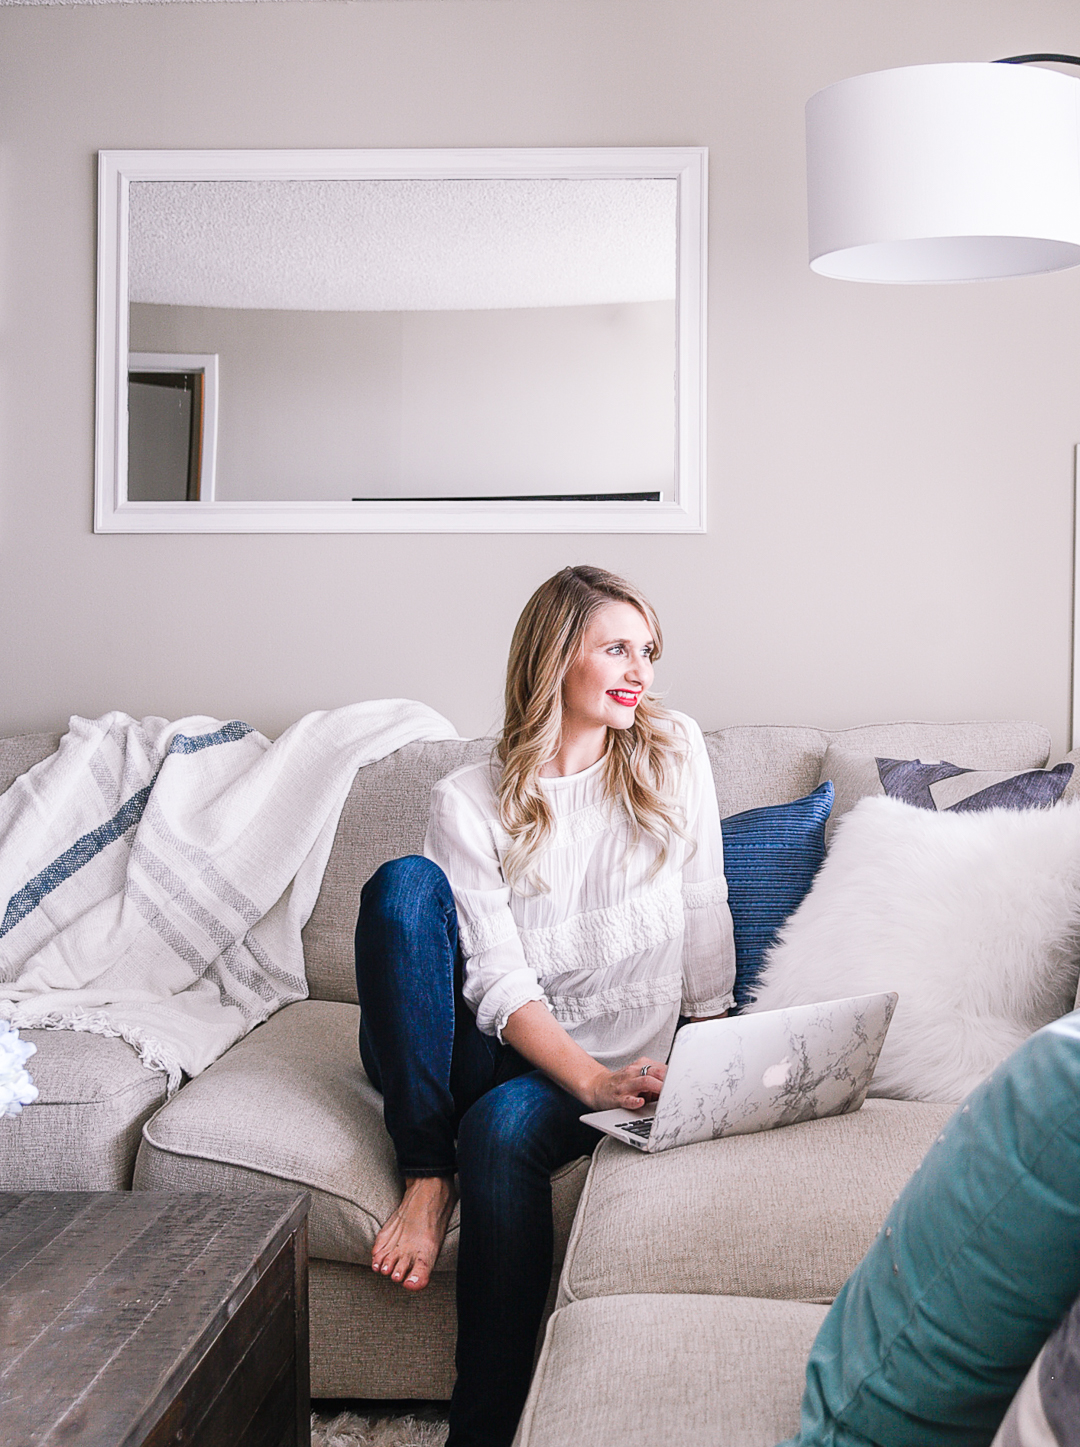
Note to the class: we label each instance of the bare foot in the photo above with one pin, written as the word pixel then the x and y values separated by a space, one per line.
pixel 408 1246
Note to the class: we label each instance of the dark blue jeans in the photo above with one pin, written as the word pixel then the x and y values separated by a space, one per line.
pixel 456 1100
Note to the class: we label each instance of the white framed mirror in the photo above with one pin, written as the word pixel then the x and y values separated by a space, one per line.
pixel 401 341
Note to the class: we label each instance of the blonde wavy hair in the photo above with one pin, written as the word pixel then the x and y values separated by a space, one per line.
pixel 642 763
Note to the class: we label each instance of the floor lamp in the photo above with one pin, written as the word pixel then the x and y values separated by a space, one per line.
pixel 952 172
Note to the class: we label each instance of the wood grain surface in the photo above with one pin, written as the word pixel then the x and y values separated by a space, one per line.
pixel 151 1317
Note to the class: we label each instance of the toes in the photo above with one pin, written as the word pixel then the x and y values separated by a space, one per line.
pixel 386 1249
pixel 418 1277
pixel 385 1260
pixel 385 1239
pixel 404 1266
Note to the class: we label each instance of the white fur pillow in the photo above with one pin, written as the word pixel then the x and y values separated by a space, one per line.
pixel 974 919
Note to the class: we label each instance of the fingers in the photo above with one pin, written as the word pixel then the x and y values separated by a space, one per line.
pixel 630 1087
pixel 645 1069
pixel 644 1077
pixel 623 1097
pixel 638 1083
pixel 633 1094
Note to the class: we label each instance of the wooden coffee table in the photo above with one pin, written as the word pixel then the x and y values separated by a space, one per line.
pixel 151 1318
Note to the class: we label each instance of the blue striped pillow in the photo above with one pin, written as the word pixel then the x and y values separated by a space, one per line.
pixel 770 858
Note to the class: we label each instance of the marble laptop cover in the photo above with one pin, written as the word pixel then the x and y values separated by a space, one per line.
pixel 759 1071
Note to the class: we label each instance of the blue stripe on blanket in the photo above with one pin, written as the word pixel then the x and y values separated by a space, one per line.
pixel 229 733
pixel 81 852
pixel 126 817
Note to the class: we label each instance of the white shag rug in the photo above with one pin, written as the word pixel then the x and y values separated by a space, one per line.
pixel 346 1429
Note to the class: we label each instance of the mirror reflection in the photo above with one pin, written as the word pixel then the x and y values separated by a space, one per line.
pixel 442 338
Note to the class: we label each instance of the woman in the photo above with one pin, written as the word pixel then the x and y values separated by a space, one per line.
pixel 534 964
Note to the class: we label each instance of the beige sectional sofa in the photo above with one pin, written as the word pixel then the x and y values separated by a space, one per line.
pixel 691 1283
pixel 711 1267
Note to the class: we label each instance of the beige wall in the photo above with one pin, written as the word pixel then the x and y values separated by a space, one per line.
pixel 890 468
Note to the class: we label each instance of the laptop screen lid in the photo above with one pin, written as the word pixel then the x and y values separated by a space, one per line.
pixel 755 1072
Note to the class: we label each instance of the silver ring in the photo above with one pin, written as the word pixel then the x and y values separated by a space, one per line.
pixel 644 1070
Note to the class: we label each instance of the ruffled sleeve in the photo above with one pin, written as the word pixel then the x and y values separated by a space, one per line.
pixel 461 841
pixel 709 939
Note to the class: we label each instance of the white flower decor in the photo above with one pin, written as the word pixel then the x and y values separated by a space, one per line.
pixel 16 1087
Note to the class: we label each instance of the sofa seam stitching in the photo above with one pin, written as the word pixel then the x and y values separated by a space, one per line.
pixel 244 1166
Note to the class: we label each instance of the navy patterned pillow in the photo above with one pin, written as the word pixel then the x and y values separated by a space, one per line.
pixel 948 786
pixel 770 858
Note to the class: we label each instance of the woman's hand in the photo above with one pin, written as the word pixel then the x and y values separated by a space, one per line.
pixel 535 1033
pixel 629 1088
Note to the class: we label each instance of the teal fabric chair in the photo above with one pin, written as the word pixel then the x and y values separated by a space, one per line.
pixel 976 1264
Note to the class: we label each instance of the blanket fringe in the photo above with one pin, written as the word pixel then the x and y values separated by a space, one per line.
pixel 151 1052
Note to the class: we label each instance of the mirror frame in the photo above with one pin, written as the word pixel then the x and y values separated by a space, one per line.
pixel 113 513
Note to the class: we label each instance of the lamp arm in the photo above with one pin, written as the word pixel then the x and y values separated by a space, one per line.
pixel 1024 59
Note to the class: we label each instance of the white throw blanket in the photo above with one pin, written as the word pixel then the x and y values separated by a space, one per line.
pixel 155 876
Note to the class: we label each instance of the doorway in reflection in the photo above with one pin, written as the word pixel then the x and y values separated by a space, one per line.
pixel 164 436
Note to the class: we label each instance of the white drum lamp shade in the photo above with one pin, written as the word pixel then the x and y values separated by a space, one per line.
pixel 944 173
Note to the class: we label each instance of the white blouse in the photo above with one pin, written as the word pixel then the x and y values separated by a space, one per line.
pixel 614 955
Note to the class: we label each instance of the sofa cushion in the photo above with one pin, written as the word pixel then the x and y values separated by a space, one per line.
pixel 290 1102
pixel 785 1213
pixel 22 752
pixel 758 764
pixel 1003 744
pixel 940 785
pixel 755 765
pixel 385 817
pixel 700 1371
pixel 82 1132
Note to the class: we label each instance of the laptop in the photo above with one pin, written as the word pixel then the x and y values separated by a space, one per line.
pixel 759 1071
